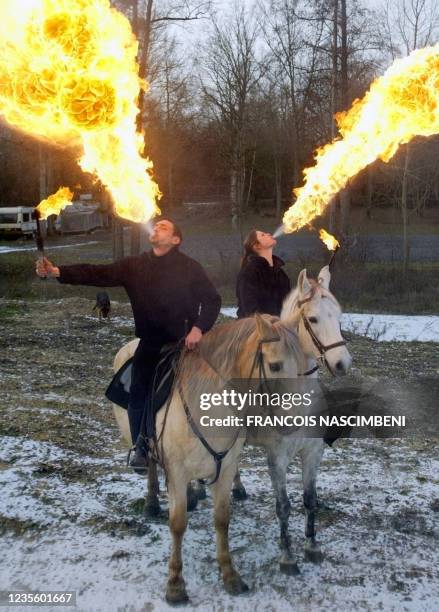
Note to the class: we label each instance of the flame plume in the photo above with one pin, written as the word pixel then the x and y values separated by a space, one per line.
pixel 400 105
pixel 328 240
pixel 68 74
pixel 55 203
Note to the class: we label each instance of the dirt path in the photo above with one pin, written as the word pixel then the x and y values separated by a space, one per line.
pixel 71 514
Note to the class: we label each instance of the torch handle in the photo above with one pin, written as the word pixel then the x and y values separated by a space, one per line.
pixel 333 256
pixel 39 238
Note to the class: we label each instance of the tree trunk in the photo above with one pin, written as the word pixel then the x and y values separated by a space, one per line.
pixel 143 63
pixel 345 196
pixel 345 205
pixel 118 246
pixel 369 193
pixel 234 187
pixel 404 211
pixel 171 202
pixel 334 105
pixel 250 181
pixel 278 186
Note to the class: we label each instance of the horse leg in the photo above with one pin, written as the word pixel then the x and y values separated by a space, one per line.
pixel 192 497
pixel 238 489
pixel 233 582
pixel 176 588
pixel 277 465
pixel 310 465
pixel 200 488
pixel 152 504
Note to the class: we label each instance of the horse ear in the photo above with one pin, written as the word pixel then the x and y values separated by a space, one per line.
pixel 266 330
pixel 303 283
pixel 324 277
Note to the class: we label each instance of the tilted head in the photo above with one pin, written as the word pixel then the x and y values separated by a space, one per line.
pixel 318 321
pixel 165 234
pixel 257 242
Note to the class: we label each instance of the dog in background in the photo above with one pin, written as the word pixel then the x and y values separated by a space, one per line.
pixel 103 305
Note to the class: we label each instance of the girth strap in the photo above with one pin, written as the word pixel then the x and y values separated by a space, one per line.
pixel 217 456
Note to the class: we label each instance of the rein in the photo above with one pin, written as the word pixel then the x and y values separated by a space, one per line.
pixel 218 456
pixel 317 343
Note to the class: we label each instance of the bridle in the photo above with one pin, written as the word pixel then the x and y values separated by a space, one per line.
pixel 323 349
pixel 218 456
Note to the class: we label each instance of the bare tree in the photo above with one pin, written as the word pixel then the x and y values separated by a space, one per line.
pixel 147 18
pixel 230 75
pixel 408 25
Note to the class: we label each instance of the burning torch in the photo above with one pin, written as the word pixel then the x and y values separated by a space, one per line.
pixel 38 234
pixel 53 205
pixel 331 243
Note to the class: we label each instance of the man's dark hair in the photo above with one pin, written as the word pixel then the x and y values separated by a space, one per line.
pixel 176 230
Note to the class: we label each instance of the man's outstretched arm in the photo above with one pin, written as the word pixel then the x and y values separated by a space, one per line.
pixel 102 275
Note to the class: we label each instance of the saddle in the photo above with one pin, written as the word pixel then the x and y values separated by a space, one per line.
pixel 118 390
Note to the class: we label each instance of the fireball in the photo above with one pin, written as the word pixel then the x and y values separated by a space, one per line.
pixel 68 75
pixel 400 105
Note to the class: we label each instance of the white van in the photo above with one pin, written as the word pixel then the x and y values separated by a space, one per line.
pixel 17 220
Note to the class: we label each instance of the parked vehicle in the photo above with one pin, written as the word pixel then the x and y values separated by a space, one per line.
pixel 18 221
pixel 80 217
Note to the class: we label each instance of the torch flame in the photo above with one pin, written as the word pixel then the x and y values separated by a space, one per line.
pixel 400 105
pixel 68 75
pixel 55 203
pixel 328 240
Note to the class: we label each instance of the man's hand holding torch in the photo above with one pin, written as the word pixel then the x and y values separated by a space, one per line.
pixel 46 269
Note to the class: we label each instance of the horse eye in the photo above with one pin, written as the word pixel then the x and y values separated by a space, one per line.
pixel 276 366
pixel 313 319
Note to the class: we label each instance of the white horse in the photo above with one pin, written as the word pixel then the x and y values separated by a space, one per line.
pixel 227 352
pixel 317 314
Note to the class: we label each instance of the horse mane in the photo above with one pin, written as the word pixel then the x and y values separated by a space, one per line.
pixel 213 365
pixel 220 347
pixel 209 368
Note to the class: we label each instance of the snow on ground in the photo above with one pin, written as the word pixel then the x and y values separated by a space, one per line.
pixel 385 327
pixel 376 527
pixel 71 513
pixel 47 247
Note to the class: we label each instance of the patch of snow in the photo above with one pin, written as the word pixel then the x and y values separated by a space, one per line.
pixel 373 559
pixel 47 247
pixel 384 327
pixel 400 328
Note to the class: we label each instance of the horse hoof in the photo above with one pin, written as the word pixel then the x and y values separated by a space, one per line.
pixel 152 509
pixel 235 585
pixel 176 594
pixel 192 501
pixel 313 555
pixel 289 568
pixel 239 494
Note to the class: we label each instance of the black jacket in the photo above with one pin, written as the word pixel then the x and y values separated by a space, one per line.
pixel 261 287
pixel 169 294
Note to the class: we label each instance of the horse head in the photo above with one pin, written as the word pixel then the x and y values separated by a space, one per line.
pixel 276 349
pixel 315 312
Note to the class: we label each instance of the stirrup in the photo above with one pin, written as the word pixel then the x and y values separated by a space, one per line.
pixel 132 449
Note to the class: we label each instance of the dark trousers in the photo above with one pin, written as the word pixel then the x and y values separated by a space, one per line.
pixel 145 361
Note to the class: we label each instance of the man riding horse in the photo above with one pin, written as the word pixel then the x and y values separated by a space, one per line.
pixel 171 297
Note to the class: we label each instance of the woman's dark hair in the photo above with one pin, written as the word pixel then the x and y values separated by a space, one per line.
pixel 249 244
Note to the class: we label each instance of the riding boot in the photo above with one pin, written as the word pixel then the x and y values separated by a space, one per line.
pixel 139 460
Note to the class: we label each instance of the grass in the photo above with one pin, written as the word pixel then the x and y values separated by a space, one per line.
pixel 382 221
pixel 359 288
